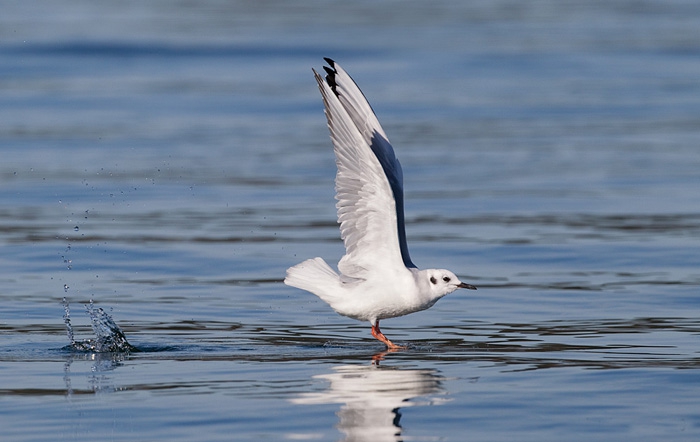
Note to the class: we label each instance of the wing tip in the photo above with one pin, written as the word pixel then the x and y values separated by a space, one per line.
pixel 331 72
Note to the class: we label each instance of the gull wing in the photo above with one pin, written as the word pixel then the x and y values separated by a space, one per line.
pixel 369 182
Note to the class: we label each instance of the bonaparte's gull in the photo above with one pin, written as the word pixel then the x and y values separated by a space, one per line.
pixel 377 278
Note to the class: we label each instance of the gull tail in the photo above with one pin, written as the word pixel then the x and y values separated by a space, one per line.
pixel 315 276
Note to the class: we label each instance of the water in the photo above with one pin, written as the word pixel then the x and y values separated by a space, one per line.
pixel 170 161
pixel 109 337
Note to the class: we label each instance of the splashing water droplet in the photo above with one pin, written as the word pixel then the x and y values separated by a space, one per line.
pixel 66 320
pixel 110 338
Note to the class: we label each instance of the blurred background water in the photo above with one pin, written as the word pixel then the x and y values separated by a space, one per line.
pixel 169 160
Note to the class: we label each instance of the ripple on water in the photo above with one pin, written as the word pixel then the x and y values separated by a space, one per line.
pixel 586 343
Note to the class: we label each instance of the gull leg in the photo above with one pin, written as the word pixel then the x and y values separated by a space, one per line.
pixel 380 336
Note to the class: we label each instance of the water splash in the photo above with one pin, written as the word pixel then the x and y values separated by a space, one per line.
pixel 109 337
pixel 66 319
pixel 66 259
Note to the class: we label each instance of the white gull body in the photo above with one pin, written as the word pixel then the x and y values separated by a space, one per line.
pixel 377 278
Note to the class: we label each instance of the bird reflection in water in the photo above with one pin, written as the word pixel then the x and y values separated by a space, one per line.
pixel 371 398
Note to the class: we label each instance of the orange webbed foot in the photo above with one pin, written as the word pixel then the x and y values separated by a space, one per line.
pixel 380 336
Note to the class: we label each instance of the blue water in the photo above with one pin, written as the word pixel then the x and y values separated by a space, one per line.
pixel 170 161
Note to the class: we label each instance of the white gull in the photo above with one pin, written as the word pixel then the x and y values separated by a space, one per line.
pixel 377 278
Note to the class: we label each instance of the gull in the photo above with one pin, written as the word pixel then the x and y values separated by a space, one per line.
pixel 376 279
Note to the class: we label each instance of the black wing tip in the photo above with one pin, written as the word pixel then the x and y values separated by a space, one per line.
pixel 330 74
pixel 330 71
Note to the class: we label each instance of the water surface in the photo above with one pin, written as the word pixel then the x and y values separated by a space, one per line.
pixel 169 162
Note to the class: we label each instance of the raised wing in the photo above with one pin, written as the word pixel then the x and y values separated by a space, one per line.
pixel 369 182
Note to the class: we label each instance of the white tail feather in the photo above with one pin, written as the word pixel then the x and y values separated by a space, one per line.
pixel 315 276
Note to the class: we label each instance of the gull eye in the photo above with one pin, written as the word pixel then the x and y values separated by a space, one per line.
pixel 433 280
pixel 446 279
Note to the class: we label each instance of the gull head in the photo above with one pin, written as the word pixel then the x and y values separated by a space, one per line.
pixel 442 282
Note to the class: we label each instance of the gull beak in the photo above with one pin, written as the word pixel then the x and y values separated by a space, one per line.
pixel 464 285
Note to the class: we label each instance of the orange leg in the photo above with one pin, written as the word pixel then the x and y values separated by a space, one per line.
pixel 380 336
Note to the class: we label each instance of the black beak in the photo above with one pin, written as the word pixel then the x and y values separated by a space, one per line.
pixel 464 285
